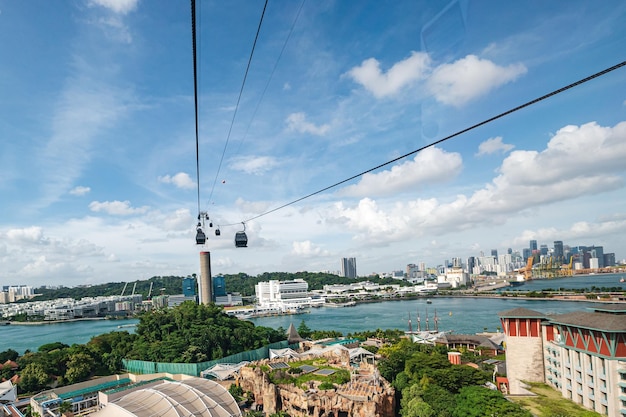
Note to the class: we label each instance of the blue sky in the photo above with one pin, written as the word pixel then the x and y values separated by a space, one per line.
pixel 98 162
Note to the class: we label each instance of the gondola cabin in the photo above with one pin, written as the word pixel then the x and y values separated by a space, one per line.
pixel 241 240
pixel 200 237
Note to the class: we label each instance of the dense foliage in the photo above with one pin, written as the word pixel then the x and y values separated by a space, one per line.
pixel 196 333
pixel 240 283
pixel 188 333
pixel 430 386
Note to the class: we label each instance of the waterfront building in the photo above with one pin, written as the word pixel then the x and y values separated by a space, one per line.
pixel 278 294
pixel 581 354
pixel 609 259
pixel 348 267
pixel 455 277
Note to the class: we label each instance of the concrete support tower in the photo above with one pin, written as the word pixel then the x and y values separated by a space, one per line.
pixel 205 283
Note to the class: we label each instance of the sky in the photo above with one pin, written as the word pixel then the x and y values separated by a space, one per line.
pixel 98 162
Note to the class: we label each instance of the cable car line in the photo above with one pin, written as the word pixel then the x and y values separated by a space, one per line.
pixel 460 132
pixel 219 167
pixel 293 25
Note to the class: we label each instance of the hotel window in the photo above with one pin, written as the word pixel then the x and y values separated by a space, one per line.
pixel 603 364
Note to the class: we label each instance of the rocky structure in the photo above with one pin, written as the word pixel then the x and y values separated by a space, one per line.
pixel 366 395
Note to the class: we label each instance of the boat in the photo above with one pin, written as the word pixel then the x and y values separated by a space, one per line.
pixel 121 326
pixel 429 301
pixel 622 279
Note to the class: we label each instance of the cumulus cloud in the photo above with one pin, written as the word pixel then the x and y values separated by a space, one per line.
pixel 297 122
pixel 31 234
pixel 116 6
pixel 255 165
pixel 454 84
pixel 579 231
pixel 180 180
pixel 468 78
pixel 400 75
pixel 80 190
pixel 567 157
pixel 181 219
pixel 307 248
pixel 430 166
pixel 116 208
pixel 493 145
pixel 526 179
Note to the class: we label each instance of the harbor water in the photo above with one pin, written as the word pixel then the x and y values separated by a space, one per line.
pixel 456 314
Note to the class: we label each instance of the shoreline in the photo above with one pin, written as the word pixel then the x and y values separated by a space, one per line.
pixel 42 323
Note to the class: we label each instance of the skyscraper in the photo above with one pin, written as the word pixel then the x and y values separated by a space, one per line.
pixel 533 246
pixel 494 253
pixel 348 267
pixel 559 255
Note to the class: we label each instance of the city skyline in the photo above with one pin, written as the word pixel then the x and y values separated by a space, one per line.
pixel 98 179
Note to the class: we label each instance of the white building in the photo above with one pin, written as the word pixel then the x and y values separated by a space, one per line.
pixel 455 277
pixel 278 294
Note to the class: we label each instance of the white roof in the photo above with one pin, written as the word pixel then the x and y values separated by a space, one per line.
pixel 193 397
pixel 283 353
pixel 223 371
pixel 8 392
pixel 356 352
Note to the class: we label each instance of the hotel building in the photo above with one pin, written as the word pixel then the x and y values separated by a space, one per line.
pixel 581 354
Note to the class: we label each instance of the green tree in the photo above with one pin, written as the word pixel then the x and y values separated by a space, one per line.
pixel 304 330
pixel 79 367
pixel 33 378
pixel 476 401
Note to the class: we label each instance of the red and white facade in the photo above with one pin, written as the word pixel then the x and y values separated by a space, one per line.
pixel 581 354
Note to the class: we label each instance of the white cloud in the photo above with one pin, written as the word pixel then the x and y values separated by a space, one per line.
pixel 527 179
pixel 493 145
pixel 80 190
pixel 297 122
pixel 468 78
pixel 430 166
pixel 256 165
pixel 116 6
pixel 181 219
pixel 117 208
pixel 307 249
pixel 399 76
pixel 579 231
pixel 575 153
pixel 180 180
pixel 31 234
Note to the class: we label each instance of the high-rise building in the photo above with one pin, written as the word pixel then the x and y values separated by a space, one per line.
pixel 348 267
pixel 471 264
pixel 533 246
pixel 526 253
pixel 219 286
pixel 190 286
pixel 494 253
pixel 559 254
pixel 609 259
pixel 543 250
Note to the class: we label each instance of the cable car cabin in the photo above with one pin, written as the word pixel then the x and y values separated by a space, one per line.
pixel 200 237
pixel 241 240
pixel 217 232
